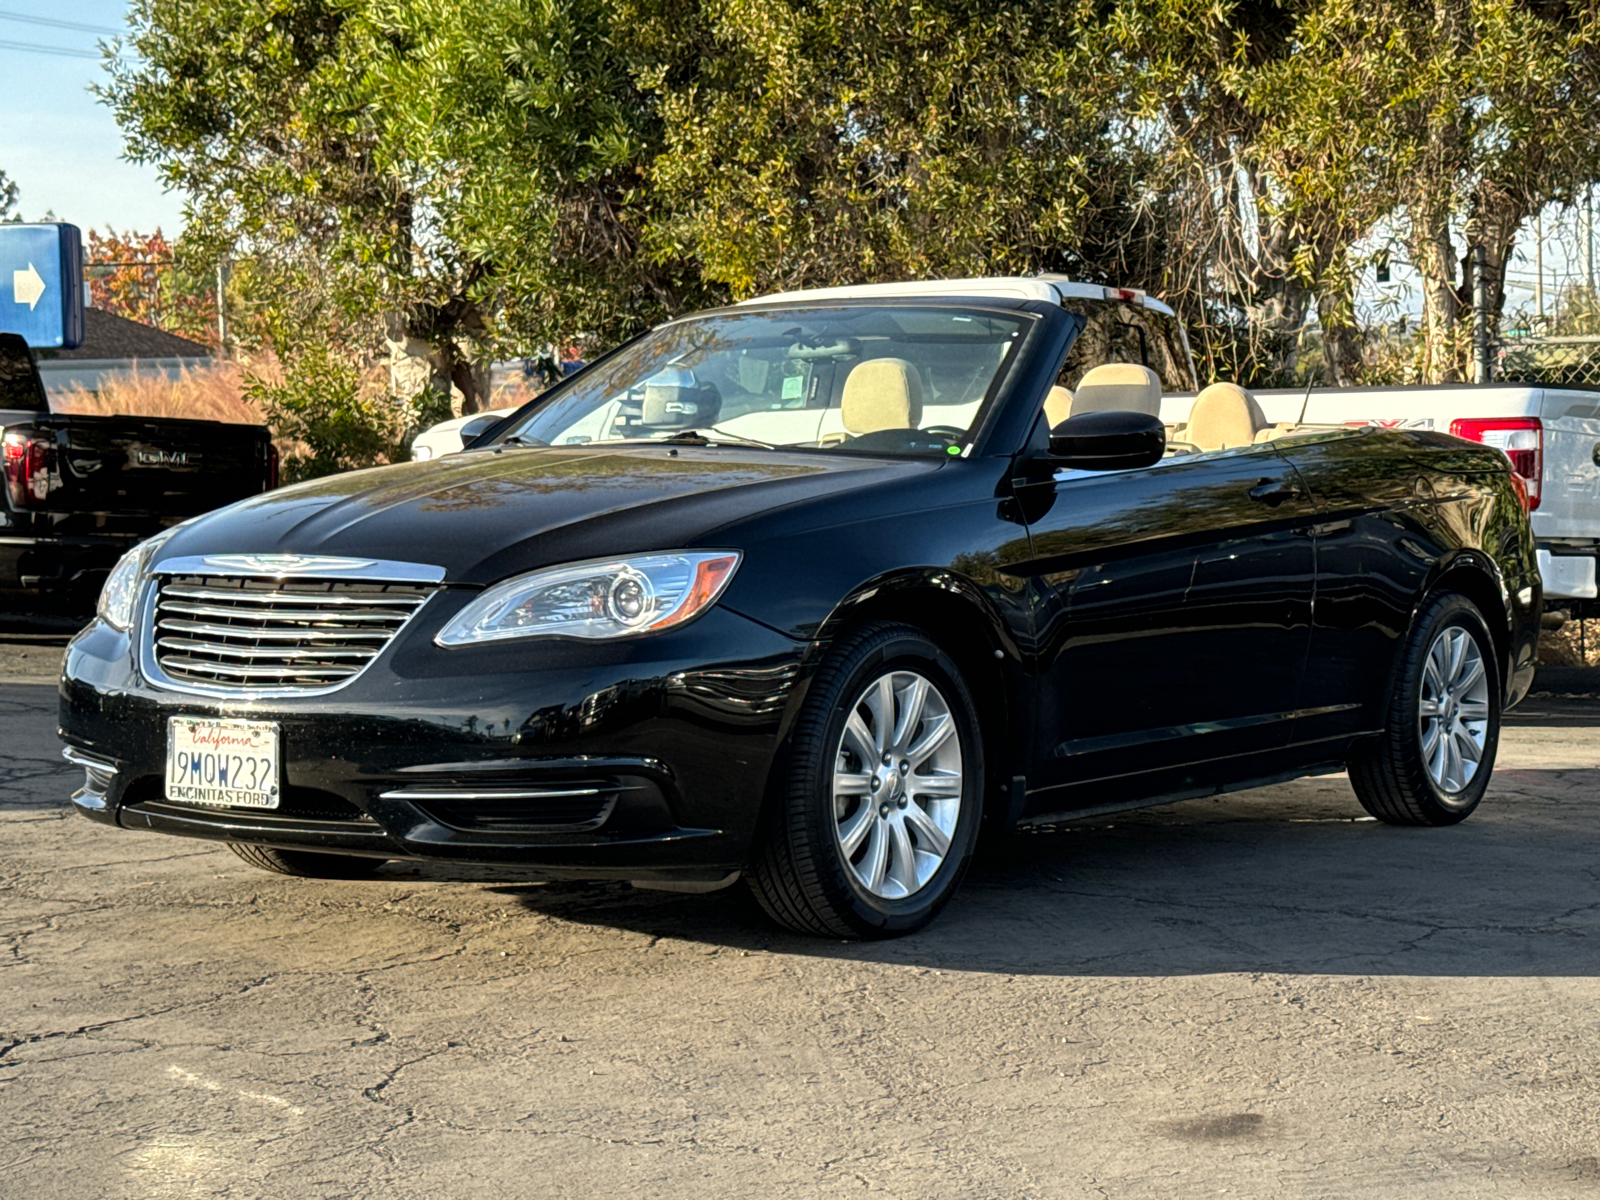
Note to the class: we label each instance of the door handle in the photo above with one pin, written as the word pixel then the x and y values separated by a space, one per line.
pixel 1273 492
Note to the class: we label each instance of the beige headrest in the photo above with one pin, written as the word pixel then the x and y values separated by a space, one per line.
pixel 1057 405
pixel 1224 415
pixel 1118 387
pixel 882 393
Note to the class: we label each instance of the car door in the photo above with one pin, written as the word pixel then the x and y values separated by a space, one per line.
pixel 1374 551
pixel 1173 613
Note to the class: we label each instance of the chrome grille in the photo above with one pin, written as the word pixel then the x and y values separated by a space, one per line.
pixel 272 633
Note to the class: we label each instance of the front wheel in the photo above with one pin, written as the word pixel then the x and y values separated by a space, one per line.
pixel 882 792
pixel 1432 763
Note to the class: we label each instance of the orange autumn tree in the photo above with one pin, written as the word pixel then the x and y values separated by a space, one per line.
pixel 137 276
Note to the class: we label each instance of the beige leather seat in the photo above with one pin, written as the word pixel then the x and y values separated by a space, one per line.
pixel 1224 415
pixel 1273 432
pixel 1057 405
pixel 881 393
pixel 1118 387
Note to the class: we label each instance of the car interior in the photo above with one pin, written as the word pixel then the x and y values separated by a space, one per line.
pixel 1224 415
pixel 900 381
pixel 911 381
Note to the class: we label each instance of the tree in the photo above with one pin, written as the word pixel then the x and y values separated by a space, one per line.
pixel 137 276
pixel 8 199
pixel 1456 120
pixel 457 181
pixel 852 140
pixel 463 170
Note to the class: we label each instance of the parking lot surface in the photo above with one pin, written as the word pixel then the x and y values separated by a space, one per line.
pixel 1262 995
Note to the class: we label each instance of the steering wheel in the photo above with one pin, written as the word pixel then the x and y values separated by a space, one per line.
pixel 947 430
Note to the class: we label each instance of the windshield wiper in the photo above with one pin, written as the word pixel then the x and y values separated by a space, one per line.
pixel 694 437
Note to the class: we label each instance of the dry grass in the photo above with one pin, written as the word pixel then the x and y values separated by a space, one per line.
pixel 1575 644
pixel 204 394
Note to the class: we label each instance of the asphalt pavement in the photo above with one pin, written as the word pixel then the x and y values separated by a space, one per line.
pixel 1261 995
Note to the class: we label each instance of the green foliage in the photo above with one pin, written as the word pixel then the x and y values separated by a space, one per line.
pixel 857 140
pixel 488 178
pixel 8 199
pixel 461 171
pixel 329 421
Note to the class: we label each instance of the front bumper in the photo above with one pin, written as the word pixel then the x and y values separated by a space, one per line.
pixel 642 759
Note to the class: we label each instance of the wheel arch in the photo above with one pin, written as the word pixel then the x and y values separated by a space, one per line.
pixel 965 622
pixel 1477 578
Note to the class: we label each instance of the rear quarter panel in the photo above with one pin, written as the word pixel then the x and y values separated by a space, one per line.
pixel 1403 514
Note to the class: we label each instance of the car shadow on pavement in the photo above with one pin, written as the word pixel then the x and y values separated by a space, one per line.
pixel 1292 879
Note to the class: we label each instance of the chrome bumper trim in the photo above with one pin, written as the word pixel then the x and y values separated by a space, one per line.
pixel 98 776
pixel 446 794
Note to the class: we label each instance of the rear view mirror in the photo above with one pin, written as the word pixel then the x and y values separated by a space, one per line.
pixel 1108 441
pixel 478 426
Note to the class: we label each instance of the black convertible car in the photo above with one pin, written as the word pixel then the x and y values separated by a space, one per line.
pixel 813 590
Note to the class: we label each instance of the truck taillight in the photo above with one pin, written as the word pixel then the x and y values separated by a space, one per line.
pixel 1521 439
pixel 27 467
pixel 272 466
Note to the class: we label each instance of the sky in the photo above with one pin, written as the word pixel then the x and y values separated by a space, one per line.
pixel 60 145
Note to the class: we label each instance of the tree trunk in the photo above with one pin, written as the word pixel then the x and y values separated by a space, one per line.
pixel 471 379
pixel 1433 254
pixel 1340 348
pixel 1497 214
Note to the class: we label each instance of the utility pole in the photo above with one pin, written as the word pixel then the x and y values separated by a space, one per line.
pixel 222 310
pixel 1538 262
pixel 1588 205
pixel 1480 314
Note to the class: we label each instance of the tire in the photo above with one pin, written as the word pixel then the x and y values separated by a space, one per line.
pixel 1406 776
pixel 901 866
pixel 308 864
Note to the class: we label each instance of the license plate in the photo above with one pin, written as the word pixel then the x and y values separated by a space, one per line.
pixel 222 762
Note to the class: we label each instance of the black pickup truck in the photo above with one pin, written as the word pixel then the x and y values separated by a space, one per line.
pixel 80 490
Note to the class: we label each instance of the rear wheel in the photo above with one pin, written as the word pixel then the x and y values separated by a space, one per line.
pixel 1433 761
pixel 308 864
pixel 882 794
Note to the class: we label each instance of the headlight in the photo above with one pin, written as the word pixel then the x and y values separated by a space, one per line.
pixel 121 590
pixel 607 598
pixel 421 453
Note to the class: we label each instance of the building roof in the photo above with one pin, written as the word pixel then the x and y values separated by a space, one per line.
pixel 106 335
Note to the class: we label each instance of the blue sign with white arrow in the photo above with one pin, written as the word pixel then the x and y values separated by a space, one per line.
pixel 41 283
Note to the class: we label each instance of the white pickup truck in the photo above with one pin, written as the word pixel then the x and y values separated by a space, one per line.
pixel 1551 435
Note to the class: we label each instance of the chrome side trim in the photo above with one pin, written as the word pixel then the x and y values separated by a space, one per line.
pixel 442 794
pixel 300 566
pixel 88 761
pixel 98 776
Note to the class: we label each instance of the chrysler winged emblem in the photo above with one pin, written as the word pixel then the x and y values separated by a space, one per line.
pixel 283 564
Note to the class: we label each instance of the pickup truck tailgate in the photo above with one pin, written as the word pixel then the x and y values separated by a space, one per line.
pixel 147 467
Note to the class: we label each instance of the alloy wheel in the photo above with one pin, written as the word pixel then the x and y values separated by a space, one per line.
pixel 897 784
pixel 1453 710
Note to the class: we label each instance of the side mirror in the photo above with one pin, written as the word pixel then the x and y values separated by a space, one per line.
pixel 1107 441
pixel 478 426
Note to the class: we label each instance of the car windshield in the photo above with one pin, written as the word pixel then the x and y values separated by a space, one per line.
pixel 881 380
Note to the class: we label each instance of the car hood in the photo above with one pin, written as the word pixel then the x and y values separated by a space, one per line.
pixel 488 514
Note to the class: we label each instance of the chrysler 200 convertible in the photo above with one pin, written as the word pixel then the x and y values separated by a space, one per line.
pixel 814 591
